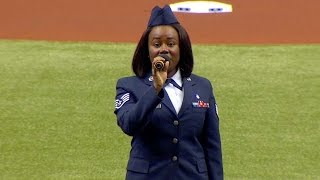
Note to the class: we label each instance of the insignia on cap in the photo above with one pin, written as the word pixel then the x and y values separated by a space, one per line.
pixel 162 16
pixel 123 99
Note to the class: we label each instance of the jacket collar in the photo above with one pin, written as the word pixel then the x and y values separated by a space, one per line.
pixel 188 84
pixel 148 79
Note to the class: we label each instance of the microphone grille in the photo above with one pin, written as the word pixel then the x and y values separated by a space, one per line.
pixel 164 56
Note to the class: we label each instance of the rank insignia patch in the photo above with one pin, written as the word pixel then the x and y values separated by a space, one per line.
pixel 123 99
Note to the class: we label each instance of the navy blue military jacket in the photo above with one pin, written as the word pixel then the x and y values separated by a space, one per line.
pixel 167 145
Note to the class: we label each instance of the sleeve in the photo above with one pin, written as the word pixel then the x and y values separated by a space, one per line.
pixel 133 113
pixel 212 142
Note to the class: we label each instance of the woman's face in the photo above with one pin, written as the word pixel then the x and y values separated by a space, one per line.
pixel 165 40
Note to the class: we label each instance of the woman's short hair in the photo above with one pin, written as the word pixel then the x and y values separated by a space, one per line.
pixel 141 64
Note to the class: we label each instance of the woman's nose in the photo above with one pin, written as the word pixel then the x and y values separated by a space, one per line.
pixel 164 49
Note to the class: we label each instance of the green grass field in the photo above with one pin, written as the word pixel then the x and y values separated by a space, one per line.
pixel 57 101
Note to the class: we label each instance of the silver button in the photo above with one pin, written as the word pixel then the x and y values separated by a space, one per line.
pixel 174 158
pixel 174 140
pixel 176 122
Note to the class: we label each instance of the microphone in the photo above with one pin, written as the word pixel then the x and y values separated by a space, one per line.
pixel 159 65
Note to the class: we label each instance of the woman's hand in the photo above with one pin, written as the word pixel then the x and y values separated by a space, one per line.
pixel 159 75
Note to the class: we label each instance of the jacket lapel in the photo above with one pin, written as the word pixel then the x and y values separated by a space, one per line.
pixel 166 100
pixel 188 85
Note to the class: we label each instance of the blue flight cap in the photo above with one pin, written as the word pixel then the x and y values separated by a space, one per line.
pixel 162 16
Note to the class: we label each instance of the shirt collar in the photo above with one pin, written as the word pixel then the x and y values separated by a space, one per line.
pixel 177 77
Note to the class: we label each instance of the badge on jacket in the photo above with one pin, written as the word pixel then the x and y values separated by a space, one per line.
pixel 201 104
pixel 158 106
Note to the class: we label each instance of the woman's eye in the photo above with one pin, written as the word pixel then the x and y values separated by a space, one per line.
pixel 171 44
pixel 156 45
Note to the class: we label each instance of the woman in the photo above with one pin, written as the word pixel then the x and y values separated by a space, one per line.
pixel 170 112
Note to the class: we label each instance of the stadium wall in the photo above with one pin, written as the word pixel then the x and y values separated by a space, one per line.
pixel 263 21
